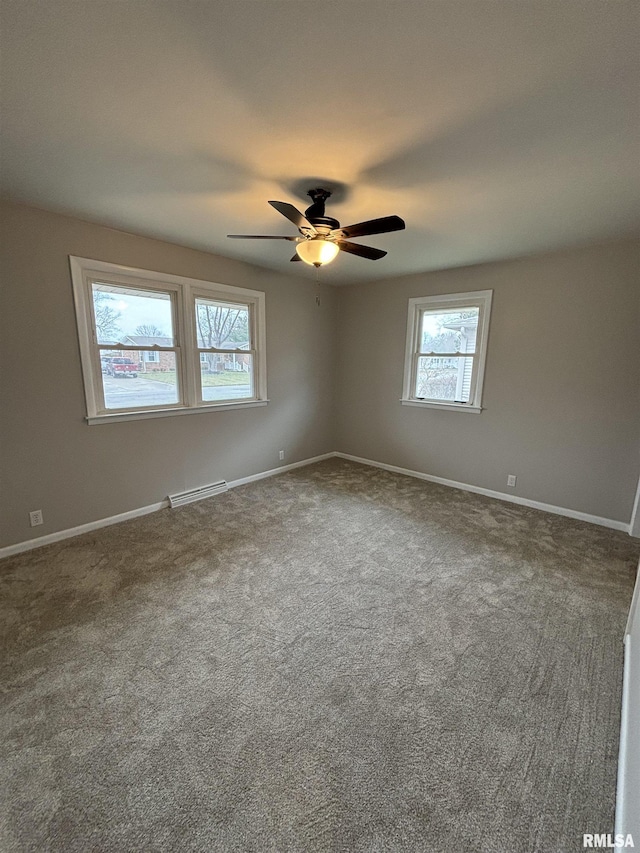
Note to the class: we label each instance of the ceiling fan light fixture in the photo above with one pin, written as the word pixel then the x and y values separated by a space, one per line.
pixel 322 238
pixel 317 251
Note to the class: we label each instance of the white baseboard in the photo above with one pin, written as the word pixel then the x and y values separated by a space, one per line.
pixel 490 493
pixel 273 471
pixel 19 547
pixel 30 544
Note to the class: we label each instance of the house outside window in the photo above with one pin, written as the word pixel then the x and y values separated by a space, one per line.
pixel 446 351
pixel 151 357
pixel 153 344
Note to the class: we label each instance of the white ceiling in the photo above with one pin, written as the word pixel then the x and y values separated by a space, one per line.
pixel 495 129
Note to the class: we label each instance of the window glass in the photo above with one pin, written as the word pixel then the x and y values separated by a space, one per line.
pixel 223 325
pixel 227 376
pixel 444 378
pixel 128 385
pixel 449 331
pixel 123 311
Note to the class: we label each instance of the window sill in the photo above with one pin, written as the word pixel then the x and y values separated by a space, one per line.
pixel 453 407
pixel 167 413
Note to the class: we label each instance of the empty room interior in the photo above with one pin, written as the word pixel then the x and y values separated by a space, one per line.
pixel 320 446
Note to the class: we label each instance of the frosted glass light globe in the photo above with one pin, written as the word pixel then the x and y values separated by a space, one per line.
pixel 317 251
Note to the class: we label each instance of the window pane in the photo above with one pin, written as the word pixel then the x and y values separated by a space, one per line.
pixel 129 316
pixel 444 378
pixel 224 325
pixel 227 376
pixel 130 381
pixel 449 331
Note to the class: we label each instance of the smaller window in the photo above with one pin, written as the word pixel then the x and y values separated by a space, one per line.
pixel 446 350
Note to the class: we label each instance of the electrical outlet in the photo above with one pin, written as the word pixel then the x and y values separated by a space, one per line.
pixel 281 455
pixel 511 479
pixel 35 517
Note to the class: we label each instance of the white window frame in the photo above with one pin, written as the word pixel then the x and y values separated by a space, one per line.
pixel 480 299
pixel 85 272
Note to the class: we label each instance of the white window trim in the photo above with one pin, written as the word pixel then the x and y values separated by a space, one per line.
pixel 481 299
pixel 84 271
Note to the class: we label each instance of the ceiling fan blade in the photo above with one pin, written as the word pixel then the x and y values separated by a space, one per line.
pixel 371 226
pixel 296 257
pixel 362 251
pixel 293 215
pixel 261 237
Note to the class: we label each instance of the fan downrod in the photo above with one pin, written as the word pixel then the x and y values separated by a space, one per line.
pixel 315 213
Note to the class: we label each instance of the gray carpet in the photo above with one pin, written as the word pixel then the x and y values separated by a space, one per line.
pixel 334 659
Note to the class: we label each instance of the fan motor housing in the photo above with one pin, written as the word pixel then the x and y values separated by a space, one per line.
pixel 321 223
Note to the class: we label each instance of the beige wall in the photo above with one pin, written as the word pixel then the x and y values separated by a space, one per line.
pixel 561 387
pixel 561 383
pixel 51 459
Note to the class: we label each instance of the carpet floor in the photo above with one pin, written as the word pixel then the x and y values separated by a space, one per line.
pixel 334 659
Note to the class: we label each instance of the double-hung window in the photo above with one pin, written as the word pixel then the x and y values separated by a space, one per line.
pixel 154 344
pixel 446 350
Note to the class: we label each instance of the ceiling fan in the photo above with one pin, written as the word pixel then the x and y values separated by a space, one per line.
pixel 322 237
